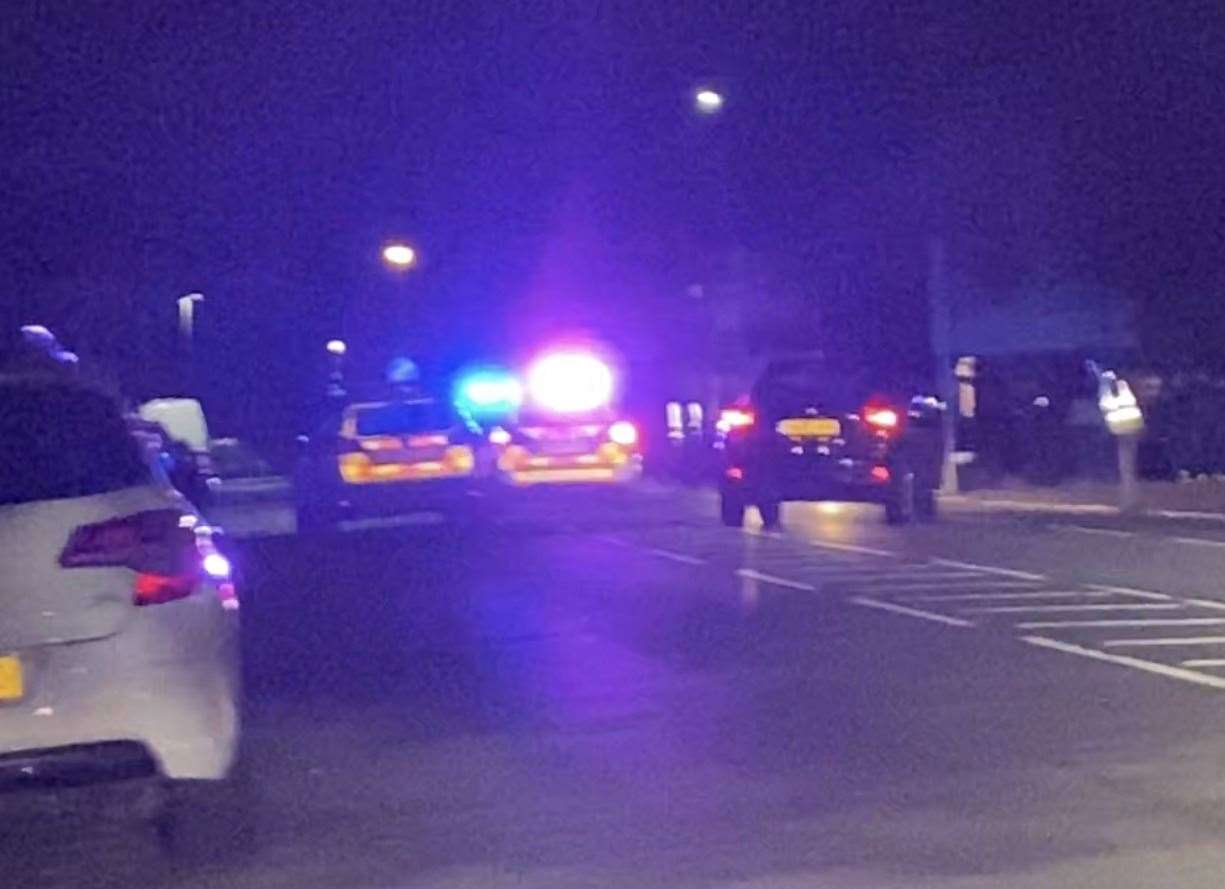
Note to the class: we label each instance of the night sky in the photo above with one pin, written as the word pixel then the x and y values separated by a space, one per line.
pixel 546 161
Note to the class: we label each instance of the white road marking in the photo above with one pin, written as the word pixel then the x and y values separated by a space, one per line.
pixel 1128 591
pixel 615 541
pixel 1025 506
pixel 911 612
pixel 1030 609
pixel 1138 622
pixel 777 581
pixel 851 548
pixel 1205 662
pixel 1125 661
pixel 1085 529
pixel 1207 603
pixel 989 597
pixel 683 558
pixel 1169 642
pixel 989 569
pixel 1187 514
pixel 1198 541
pixel 973 582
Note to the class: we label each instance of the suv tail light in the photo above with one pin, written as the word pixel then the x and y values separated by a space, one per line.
pixel 734 418
pixel 168 550
pixel 882 418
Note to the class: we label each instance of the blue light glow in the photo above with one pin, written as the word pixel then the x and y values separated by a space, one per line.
pixel 489 392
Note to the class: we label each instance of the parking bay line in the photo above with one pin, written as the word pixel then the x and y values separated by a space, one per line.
pixel 750 574
pixel 1126 661
pixel 989 569
pixel 1167 642
pixel 979 583
pixel 992 597
pixel 912 612
pixel 1198 541
pixel 1128 591
pixel 1032 609
pixel 1085 529
pixel 1123 622
pixel 851 548
pixel 683 558
pixel 1204 662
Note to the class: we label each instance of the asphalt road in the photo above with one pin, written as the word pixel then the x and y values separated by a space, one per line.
pixel 609 689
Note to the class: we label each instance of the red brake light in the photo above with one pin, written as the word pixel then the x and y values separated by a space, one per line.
pixel 735 418
pixel 882 417
pixel 165 548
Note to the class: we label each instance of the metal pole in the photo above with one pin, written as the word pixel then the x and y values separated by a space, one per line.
pixel 941 346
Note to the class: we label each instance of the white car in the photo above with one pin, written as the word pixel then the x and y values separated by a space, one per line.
pixel 118 615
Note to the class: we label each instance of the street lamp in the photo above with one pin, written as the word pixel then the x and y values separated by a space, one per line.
pixel 399 256
pixel 337 347
pixel 708 101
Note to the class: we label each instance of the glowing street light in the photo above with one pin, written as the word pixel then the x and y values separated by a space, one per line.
pixel 400 256
pixel 708 101
pixel 337 347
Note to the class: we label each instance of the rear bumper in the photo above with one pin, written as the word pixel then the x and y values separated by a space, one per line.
pixel 392 497
pixel 848 481
pixel 555 471
pixel 167 685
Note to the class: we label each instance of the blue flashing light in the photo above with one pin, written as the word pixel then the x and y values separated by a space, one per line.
pixel 489 392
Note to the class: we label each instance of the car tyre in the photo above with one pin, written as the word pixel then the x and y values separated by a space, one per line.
pixel 770 512
pixel 900 507
pixel 207 822
pixel 731 510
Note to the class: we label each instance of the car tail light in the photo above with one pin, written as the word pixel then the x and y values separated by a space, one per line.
pixel 880 473
pixel 882 418
pixel 623 433
pixel 170 553
pixel 735 418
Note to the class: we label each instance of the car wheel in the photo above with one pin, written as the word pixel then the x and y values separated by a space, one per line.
pixel 771 513
pixel 925 507
pixel 206 822
pixel 731 510
pixel 900 507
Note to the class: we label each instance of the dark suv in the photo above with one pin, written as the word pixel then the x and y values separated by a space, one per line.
pixel 815 431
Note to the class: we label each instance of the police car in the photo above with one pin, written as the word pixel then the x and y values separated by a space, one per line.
pixel 567 430
pixel 389 457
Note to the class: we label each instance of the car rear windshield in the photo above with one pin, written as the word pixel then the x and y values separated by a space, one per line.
pixel 59 441
pixel 404 418
pixel 798 385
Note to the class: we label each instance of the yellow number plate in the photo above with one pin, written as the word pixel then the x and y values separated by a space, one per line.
pixel 12 683
pixel 820 427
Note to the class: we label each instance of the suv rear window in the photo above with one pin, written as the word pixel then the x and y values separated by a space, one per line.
pixel 404 418
pixel 60 440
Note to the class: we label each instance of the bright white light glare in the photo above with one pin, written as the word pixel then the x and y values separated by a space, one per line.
pixel 216 565
pixel 499 436
pixel 708 100
pixel 337 347
pixel 623 433
pixel 826 507
pixel 570 382
pixel 399 255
